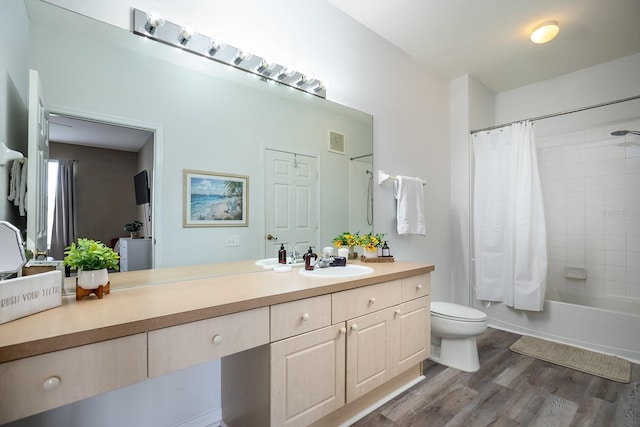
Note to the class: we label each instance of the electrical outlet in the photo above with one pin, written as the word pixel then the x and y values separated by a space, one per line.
pixel 233 241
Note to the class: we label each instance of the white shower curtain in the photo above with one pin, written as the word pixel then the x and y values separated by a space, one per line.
pixel 509 227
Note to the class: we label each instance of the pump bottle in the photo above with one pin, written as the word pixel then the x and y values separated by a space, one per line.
pixel 282 254
pixel 310 259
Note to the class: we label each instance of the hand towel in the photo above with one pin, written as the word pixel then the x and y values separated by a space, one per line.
pixel 22 190
pixel 14 182
pixel 410 205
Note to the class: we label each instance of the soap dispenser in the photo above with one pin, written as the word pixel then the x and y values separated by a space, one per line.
pixel 310 259
pixel 282 255
pixel 386 252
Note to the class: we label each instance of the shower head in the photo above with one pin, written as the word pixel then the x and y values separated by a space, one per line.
pixel 624 132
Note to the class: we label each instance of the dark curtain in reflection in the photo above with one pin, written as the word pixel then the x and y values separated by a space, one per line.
pixel 64 230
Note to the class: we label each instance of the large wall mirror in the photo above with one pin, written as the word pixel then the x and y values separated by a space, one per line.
pixel 205 117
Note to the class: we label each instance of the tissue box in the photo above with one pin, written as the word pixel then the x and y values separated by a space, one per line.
pixel 23 296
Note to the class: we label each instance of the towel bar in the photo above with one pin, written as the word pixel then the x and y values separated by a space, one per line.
pixel 383 177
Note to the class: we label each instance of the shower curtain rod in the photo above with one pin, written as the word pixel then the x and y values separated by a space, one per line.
pixel 359 157
pixel 562 113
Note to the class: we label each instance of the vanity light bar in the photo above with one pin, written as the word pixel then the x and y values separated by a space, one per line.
pixel 152 26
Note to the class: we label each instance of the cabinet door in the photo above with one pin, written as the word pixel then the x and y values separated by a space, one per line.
pixel 307 376
pixel 371 351
pixel 414 342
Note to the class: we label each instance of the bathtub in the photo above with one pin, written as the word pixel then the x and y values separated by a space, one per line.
pixel 595 328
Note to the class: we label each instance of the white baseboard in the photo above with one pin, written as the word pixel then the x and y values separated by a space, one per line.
pixel 208 419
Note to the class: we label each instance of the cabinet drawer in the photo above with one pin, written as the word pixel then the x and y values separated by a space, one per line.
pixel 356 302
pixel 416 286
pixel 186 345
pixel 43 382
pixel 296 317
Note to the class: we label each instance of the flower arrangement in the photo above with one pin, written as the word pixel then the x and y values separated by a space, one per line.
pixel 89 255
pixel 347 239
pixel 371 241
pixel 368 241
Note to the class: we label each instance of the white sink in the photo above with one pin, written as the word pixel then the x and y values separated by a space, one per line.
pixel 350 270
pixel 270 263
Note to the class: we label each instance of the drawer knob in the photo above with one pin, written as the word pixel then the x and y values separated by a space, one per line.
pixel 217 339
pixel 372 300
pixel 354 327
pixel 305 317
pixel 398 312
pixel 343 330
pixel 418 287
pixel 51 383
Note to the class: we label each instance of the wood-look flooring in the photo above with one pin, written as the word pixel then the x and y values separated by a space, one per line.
pixel 511 390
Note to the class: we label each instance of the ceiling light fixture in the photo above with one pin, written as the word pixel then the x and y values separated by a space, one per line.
pixel 545 32
pixel 152 26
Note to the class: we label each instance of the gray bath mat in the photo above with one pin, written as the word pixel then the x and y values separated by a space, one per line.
pixel 602 365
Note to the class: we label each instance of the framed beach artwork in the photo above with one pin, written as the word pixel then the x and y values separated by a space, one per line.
pixel 215 200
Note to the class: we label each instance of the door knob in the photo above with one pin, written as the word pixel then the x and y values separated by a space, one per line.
pixel 271 237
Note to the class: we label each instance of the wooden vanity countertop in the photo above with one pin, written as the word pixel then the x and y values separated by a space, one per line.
pixel 179 295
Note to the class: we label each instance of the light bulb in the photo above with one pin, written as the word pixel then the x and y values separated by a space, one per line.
pixel 302 80
pixel 264 66
pixel 241 56
pixel 154 20
pixel 214 47
pixel 186 34
pixel 284 73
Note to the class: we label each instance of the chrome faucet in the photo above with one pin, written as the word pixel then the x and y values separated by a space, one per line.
pixel 294 254
pixel 326 260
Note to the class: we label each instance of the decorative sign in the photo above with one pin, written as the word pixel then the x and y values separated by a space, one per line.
pixel 30 294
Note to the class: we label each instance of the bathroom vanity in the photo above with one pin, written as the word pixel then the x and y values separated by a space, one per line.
pixel 295 349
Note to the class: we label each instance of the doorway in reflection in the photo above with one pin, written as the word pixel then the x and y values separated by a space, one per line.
pixel 96 197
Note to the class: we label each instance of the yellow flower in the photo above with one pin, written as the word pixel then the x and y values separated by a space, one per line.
pixel 346 239
pixel 371 241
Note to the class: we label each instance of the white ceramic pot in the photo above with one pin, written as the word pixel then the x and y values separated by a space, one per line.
pixel 370 254
pixel 92 279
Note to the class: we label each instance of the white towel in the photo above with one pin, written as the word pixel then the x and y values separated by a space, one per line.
pixel 410 207
pixel 14 182
pixel 22 190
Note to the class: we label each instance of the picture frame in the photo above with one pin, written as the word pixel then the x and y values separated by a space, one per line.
pixel 213 199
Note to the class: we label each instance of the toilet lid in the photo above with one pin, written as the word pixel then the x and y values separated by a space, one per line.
pixel 457 311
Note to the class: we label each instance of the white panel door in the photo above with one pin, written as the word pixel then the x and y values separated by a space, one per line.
pixel 290 201
pixel 38 157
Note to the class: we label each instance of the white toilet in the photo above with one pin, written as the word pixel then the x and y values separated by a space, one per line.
pixel 454 328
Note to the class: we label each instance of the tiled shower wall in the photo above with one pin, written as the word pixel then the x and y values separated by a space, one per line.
pixel 591 188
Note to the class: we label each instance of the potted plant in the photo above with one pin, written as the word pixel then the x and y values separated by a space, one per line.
pixel 347 240
pixel 370 243
pixel 133 228
pixel 92 259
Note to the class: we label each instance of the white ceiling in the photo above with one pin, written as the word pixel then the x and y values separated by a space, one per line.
pixel 489 39
pixel 93 134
